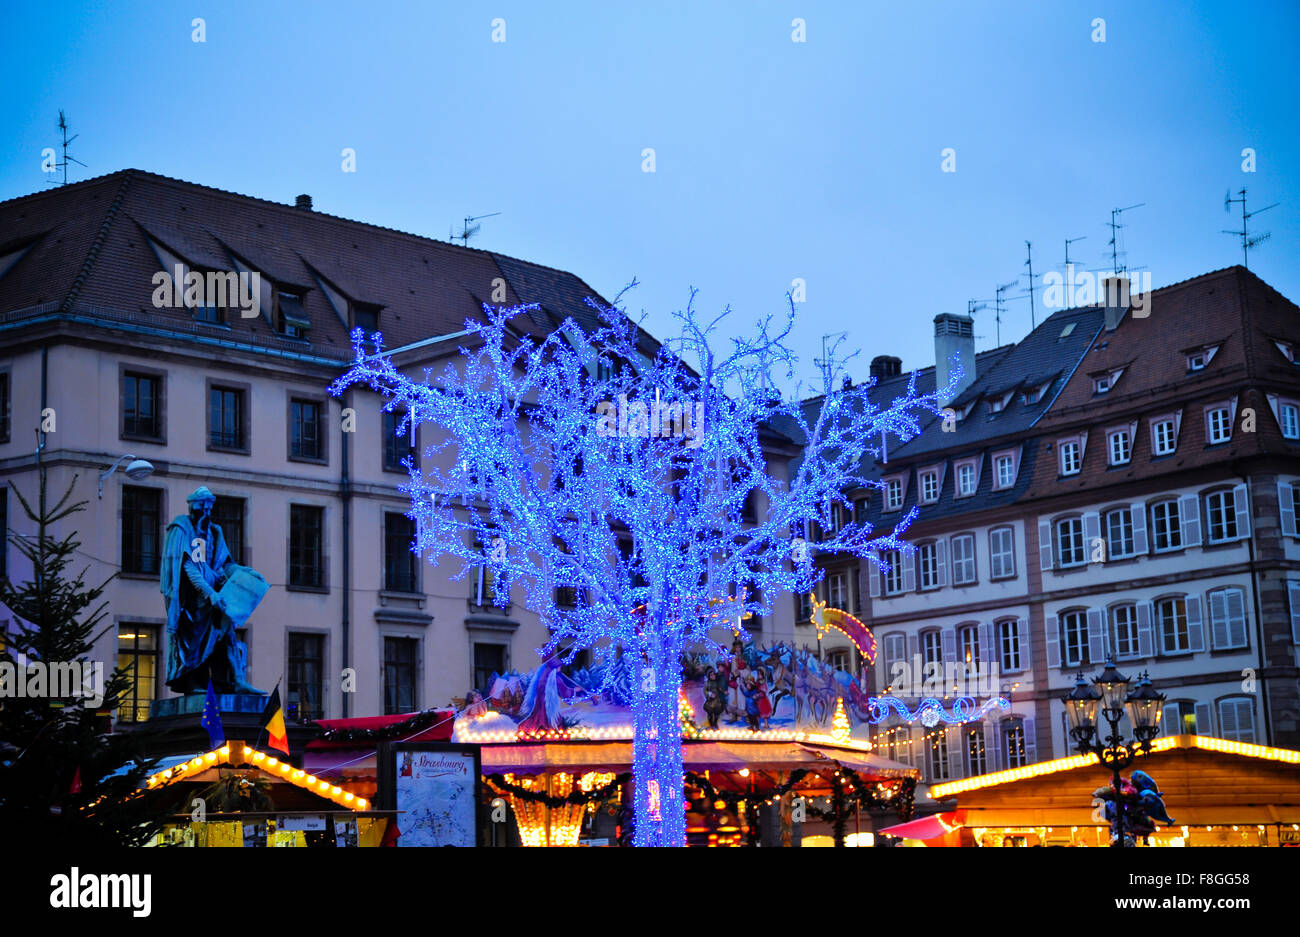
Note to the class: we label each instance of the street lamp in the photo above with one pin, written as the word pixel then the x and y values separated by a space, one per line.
pixel 1110 692
pixel 136 469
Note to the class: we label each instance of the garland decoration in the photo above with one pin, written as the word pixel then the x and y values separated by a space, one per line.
pixel 574 797
pixel 417 723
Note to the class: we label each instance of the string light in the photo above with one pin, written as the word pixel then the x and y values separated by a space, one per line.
pixel 254 758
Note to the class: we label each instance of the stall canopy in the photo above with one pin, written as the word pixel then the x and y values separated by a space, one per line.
pixel 935 826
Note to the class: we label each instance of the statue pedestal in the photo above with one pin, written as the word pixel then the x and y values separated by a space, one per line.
pixel 192 704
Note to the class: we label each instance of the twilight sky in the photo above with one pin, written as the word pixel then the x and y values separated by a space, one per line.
pixel 774 159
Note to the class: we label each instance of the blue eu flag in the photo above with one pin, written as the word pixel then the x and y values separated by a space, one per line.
pixel 212 719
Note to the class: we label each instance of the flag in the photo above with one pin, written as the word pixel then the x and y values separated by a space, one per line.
pixel 273 722
pixel 212 719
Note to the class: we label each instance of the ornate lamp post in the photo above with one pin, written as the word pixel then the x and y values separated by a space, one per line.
pixel 1110 692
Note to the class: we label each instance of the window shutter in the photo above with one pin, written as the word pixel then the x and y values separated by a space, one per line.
pixel 913 651
pixel 1096 637
pixel 1219 619
pixel 1228 725
pixel 989 648
pixel 1139 515
pixel 873 575
pixel 1203 725
pixel 1031 743
pixel 956 746
pixel 948 641
pixel 908 560
pixel 1245 720
pixel 993 746
pixel 1091 532
pixel 941 562
pixel 1146 637
pixel 1189 509
pixel 1286 507
pixel 1053 642
pixel 1022 643
pixel 1195 628
pixel 1172 722
pixel 1045 544
pixel 1293 594
pixel 1241 502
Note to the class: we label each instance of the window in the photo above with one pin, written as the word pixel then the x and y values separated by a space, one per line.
pixel 1121 448
pixel 804 606
pixel 997 404
pixel 291 318
pixel 1002 553
pixel 137 654
pixel 1166 526
pixel 396 447
pixel 306 699
pixel 569 597
pixel 838 659
pixel 1164 437
pixel 365 317
pixel 305 437
pixel 213 303
pixel 1181 718
pixel 1289 420
pixel 1009 644
pixel 1237 719
pixel 836 597
pixel 1101 385
pixel 1005 466
pixel 976 760
pixel 1197 360
pixel 928 553
pixel 399 675
pixel 141 405
pixel 1071 457
pixel 1119 533
pixel 227 427
pixel 1069 541
pixel 228 514
pixel 965 479
pixel 893 494
pixel 963 559
pixel 929 487
pixel 1221 510
pixel 1171 619
pixel 306 546
pixel 1013 741
pixel 4 406
pixel 1124 631
pixel 1228 618
pixel 141 523
pixel 938 752
pixel 969 637
pixel 1074 638
pixel 489 661
pixel 932 647
pixel 489 585
pixel 399 558
pixel 1218 425
pixel 895 651
pixel 893 575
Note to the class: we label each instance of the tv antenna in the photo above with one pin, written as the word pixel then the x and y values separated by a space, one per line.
pixel 975 305
pixel 1029 262
pixel 1068 242
pixel 470 228
pixel 1115 227
pixel 997 315
pixel 63 126
pixel 1247 242
pixel 825 349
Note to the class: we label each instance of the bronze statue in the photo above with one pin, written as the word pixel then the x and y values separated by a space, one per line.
pixel 208 595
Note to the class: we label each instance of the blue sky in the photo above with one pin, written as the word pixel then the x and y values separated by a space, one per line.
pixel 774 159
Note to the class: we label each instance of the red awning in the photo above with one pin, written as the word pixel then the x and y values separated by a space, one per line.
pixel 440 731
pixel 931 827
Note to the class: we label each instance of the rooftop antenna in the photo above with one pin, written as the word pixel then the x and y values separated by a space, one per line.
pixel 1068 242
pixel 470 229
pixel 997 315
pixel 975 305
pixel 1029 262
pixel 63 126
pixel 1114 236
pixel 825 348
pixel 1247 242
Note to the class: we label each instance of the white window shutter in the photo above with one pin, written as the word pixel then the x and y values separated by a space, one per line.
pixel 1219 619
pixel 1170 719
pixel 1022 643
pixel 1096 637
pixel 913 651
pixel 1293 594
pixel 1228 719
pixel 1031 741
pixel 1203 725
pixel 1245 720
pixel 989 648
pixel 873 575
pixel 1139 515
pixel 941 562
pixel 956 751
pixel 948 642
pixel 1146 636
pixel 909 571
pixel 993 745
pixel 1241 503
pixel 1045 544
pixel 1051 626
pixel 1195 627
pixel 1091 532
pixel 1189 509
pixel 1286 507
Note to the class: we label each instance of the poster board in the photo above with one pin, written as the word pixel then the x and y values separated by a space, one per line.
pixel 436 793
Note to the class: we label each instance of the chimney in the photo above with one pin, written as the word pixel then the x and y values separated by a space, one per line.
pixel 883 366
pixel 1116 298
pixel 303 202
pixel 954 349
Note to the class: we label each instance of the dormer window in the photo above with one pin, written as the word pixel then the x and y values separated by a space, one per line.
pixel 1035 394
pixel 967 472
pixel 929 486
pixel 1199 358
pixel 365 316
pixel 1071 454
pixel 1104 381
pixel 290 318
pixel 893 494
pixel 1288 351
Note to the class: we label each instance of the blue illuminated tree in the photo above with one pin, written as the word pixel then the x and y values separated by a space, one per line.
pixel 667 489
